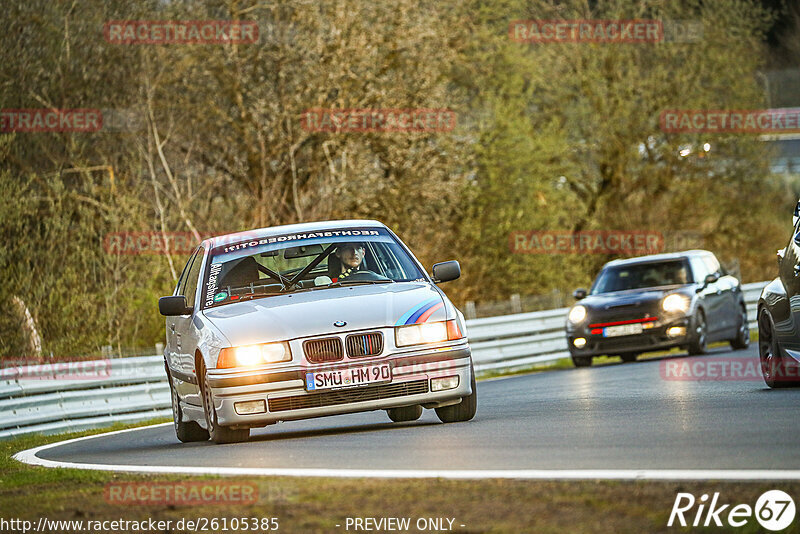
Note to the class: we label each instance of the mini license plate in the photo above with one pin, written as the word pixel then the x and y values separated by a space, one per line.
pixel 622 330
pixel 342 378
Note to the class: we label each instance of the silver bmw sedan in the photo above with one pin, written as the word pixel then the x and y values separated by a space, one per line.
pixel 309 320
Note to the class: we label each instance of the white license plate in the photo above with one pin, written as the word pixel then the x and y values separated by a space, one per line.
pixel 622 330
pixel 354 376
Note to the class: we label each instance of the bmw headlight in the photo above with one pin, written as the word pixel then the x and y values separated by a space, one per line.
pixel 252 355
pixel 417 334
pixel 577 314
pixel 675 303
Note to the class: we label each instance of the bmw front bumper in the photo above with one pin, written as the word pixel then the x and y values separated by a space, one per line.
pixel 285 398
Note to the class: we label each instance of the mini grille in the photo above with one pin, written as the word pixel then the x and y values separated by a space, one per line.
pixel 359 345
pixel 323 350
pixel 346 396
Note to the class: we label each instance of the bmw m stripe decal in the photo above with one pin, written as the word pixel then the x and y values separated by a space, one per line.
pixel 421 312
pixel 430 311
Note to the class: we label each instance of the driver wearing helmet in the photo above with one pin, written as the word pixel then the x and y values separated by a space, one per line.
pixel 351 257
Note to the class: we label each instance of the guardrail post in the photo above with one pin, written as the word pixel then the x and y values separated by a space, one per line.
pixel 469 310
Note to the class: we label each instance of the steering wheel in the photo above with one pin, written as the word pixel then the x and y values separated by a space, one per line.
pixel 365 276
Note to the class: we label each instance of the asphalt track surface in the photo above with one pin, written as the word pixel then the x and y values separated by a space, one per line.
pixel 615 416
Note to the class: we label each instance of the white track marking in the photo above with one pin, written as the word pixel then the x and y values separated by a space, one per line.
pixel 30 457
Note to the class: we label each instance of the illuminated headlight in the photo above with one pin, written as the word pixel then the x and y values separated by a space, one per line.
pixel 579 342
pixel 675 303
pixel 675 331
pixel 417 334
pixel 253 355
pixel 577 314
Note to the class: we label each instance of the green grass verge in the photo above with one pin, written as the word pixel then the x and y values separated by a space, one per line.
pixel 319 504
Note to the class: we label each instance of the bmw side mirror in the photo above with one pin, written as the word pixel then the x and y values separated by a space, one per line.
pixel 173 305
pixel 579 294
pixel 446 271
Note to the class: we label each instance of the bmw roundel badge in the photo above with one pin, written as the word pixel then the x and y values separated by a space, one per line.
pixel 340 323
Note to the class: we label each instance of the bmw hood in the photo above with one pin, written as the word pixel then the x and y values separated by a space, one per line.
pixel 314 312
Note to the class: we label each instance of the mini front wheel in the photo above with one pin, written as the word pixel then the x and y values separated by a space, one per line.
pixel 699 343
pixel 742 339
pixel 581 361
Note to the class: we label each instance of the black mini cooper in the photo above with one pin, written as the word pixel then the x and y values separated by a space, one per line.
pixel 654 303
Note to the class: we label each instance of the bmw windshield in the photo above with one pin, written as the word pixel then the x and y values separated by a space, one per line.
pixel 642 275
pixel 305 261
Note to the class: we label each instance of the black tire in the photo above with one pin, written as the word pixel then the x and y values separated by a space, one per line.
pixel 699 343
pixel 742 339
pixel 218 434
pixel 405 413
pixel 581 361
pixel 186 431
pixel 628 358
pixel 769 353
pixel 464 410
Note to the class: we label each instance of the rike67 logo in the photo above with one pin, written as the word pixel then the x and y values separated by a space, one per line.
pixel 774 510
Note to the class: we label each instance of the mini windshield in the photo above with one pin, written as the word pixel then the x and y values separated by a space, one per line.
pixel 642 275
pixel 306 261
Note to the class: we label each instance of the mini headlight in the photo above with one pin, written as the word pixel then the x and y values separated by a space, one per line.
pixel 675 303
pixel 417 334
pixel 252 355
pixel 577 314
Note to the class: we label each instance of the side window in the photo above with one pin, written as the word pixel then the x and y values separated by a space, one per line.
pixel 181 286
pixel 190 288
pixel 712 265
pixel 699 269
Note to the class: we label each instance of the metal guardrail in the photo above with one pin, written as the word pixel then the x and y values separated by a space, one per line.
pixel 134 389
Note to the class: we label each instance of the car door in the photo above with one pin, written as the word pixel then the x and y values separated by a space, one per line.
pixel 788 328
pixel 184 330
pixel 727 289
pixel 171 351
pixel 711 296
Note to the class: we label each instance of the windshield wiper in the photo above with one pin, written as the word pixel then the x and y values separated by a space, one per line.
pixel 251 296
pixel 358 282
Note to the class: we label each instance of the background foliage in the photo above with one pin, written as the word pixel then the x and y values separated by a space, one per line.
pixel 549 137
